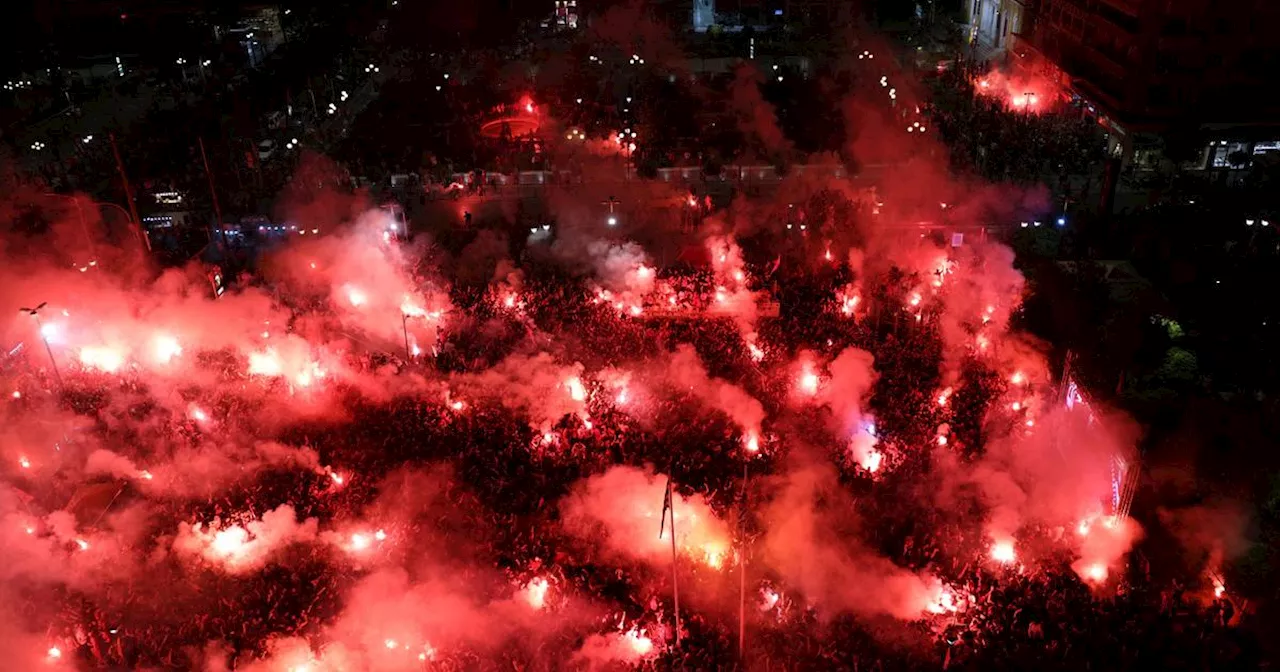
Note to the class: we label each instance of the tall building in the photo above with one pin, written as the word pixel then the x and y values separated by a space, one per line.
pixel 992 23
pixel 736 15
pixel 1149 66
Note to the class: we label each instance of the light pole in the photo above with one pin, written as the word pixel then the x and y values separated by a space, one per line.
pixel 742 555
pixel 134 219
pixel 84 228
pixel 612 202
pixel 138 231
pixel 404 324
pixel 35 314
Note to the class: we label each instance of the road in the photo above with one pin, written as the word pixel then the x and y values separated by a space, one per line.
pixel 63 134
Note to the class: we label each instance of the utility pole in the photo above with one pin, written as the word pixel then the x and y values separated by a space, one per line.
pixel 742 568
pixel 213 192
pixel 84 227
pixel 404 324
pixel 669 504
pixel 128 191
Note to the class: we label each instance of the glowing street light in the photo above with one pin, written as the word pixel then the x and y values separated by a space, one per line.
pixel 612 202
pixel 46 331
pixel 411 350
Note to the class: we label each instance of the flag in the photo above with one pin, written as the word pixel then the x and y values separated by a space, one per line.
pixel 666 505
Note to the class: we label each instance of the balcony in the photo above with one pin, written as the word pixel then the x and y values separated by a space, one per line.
pixel 1130 7
pixel 1118 14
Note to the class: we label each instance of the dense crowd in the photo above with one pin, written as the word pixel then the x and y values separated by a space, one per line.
pixel 471 488
pixel 1056 142
pixel 501 478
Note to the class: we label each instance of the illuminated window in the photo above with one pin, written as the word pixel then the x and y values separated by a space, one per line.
pixel 1222 153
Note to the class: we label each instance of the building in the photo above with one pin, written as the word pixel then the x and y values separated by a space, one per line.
pixel 1148 67
pixel 993 22
pixel 760 15
pixel 564 16
pixel 567 14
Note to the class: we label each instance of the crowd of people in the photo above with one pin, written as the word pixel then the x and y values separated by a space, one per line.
pixel 441 461
pixel 1053 142
pixel 501 478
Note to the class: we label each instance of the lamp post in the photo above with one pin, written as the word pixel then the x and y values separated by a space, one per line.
pixel 35 314
pixel 612 219
pixel 742 551
pixel 84 227
pixel 132 213
pixel 138 231
pixel 404 324
pixel 133 225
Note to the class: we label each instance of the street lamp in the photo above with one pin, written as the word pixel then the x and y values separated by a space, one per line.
pixel 44 336
pixel 84 228
pixel 404 324
pixel 137 228
pixel 137 231
pixel 612 202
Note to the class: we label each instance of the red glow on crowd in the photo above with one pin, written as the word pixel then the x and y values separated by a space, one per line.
pixel 1024 93
pixel 477 450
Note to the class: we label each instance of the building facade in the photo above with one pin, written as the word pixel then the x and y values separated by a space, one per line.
pixel 734 15
pixel 992 23
pixel 1148 66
